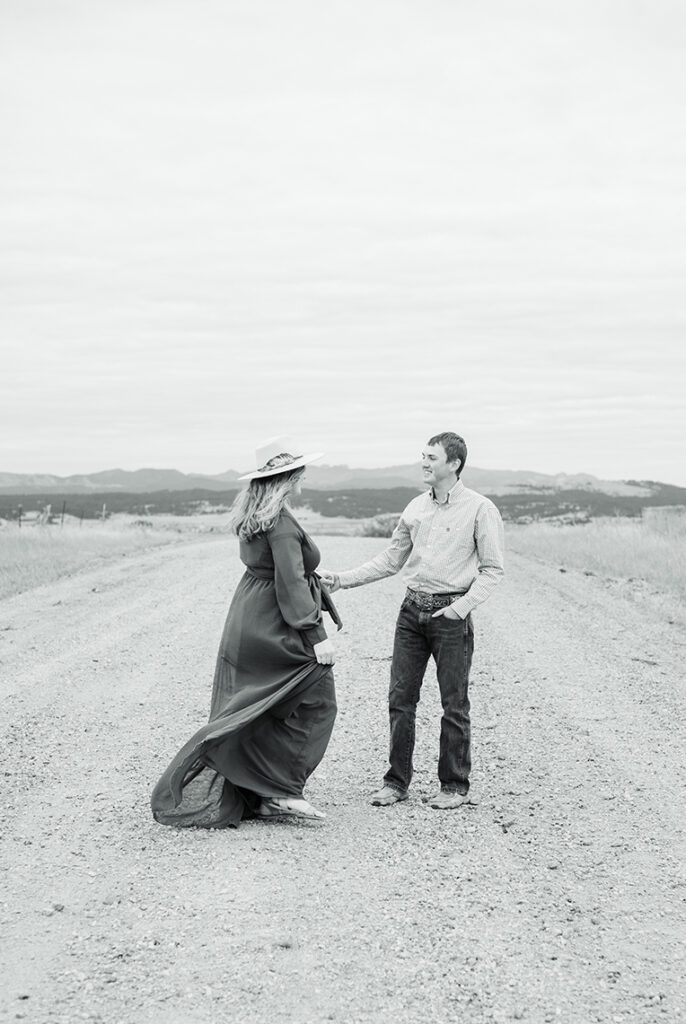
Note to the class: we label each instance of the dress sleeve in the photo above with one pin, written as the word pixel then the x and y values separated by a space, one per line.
pixel 293 594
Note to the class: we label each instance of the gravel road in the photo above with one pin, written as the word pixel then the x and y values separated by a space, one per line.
pixel 557 897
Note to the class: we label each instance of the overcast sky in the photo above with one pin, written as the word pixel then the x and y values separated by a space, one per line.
pixel 355 222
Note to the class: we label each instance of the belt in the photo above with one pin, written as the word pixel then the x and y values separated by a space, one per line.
pixel 320 592
pixel 427 602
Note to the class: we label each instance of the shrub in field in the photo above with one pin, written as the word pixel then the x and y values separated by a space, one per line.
pixel 379 526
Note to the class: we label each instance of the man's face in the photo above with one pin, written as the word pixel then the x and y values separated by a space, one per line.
pixel 435 466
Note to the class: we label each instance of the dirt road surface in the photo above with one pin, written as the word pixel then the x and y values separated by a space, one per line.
pixel 557 897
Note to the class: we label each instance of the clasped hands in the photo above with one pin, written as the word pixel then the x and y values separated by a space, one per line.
pixel 329 579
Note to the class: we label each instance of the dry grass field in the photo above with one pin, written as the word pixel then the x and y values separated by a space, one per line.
pixel 647 556
pixel 33 555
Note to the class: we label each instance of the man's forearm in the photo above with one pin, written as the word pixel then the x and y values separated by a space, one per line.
pixel 378 568
pixel 387 563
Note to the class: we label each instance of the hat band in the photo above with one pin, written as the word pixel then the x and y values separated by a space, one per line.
pixel 274 462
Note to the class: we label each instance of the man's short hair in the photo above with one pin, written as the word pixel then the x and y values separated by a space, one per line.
pixel 454 446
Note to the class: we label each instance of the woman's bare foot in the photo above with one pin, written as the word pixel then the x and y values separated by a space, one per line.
pixel 288 806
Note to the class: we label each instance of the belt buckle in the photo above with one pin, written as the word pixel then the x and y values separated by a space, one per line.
pixel 428 602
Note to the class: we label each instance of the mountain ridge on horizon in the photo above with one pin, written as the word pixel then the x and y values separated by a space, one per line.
pixel 319 477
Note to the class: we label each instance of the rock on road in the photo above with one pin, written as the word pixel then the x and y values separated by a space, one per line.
pixel 557 897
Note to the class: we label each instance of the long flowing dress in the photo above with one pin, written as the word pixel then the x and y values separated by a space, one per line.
pixel 273 705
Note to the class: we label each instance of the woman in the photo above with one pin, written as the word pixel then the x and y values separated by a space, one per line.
pixel 273 702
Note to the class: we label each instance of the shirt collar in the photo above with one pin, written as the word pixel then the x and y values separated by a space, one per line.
pixel 452 495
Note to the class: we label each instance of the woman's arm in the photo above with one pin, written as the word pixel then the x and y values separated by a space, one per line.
pixel 293 594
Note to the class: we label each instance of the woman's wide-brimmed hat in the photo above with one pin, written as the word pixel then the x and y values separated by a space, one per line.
pixel 282 448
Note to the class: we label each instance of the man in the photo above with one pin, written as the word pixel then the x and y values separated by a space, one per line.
pixel 450 542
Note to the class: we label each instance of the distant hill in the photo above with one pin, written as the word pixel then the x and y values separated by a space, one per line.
pixel 138 481
pixel 320 478
pixel 524 502
pixel 521 495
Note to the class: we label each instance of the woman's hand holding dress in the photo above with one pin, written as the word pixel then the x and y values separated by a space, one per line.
pixel 325 652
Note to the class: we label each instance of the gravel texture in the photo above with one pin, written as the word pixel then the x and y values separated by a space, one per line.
pixel 558 896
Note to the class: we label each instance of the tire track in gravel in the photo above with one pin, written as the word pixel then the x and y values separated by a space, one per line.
pixel 557 898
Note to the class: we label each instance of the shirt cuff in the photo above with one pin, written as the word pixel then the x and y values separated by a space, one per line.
pixel 315 634
pixel 462 606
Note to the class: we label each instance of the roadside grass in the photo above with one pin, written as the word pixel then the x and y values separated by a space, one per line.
pixel 648 551
pixel 34 555
pixel 647 557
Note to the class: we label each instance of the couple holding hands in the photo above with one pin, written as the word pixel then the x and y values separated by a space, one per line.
pixel 273 700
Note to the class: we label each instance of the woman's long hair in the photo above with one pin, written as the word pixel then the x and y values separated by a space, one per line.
pixel 257 508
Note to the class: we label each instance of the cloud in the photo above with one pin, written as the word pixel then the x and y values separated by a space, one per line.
pixel 349 221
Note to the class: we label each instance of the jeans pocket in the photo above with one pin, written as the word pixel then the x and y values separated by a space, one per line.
pixel 458 626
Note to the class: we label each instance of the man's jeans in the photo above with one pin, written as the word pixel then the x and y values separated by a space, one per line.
pixel 451 643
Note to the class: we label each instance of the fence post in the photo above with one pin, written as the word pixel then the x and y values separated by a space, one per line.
pixel 64 506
